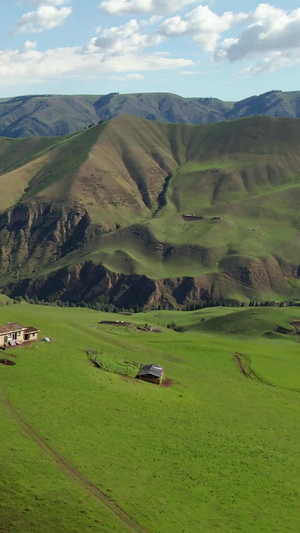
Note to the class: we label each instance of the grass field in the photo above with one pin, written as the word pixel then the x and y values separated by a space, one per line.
pixel 87 450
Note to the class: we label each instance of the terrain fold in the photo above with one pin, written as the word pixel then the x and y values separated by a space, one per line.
pixel 134 212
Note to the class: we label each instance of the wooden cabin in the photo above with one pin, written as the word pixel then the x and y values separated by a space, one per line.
pixel 151 373
pixel 12 334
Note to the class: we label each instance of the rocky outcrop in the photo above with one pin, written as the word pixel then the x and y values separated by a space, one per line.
pixel 90 283
pixel 264 275
pixel 87 283
pixel 36 234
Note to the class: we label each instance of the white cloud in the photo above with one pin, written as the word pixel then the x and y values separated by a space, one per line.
pixel 270 41
pixel 29 45
pixel 125 39
pixel 37 3
pixel 135 76
pixel 44 18
pixel 205 26
pixel 159 7
pixel 29 65
pixel 128 77
pixel 150 22
pixel 274 61
pixel 191 72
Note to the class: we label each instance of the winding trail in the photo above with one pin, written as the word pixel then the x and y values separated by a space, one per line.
pixel 240 365
pixel 245 367
pixel 69 470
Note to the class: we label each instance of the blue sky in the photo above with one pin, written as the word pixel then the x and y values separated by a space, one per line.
pixel 225 49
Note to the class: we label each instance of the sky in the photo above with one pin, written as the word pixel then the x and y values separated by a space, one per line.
pixel 211 48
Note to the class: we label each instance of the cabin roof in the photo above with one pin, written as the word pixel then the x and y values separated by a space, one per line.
pixel 11 327
pixel 31 329
pixel 152 369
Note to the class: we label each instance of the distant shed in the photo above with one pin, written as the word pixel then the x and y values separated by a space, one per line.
pixel 152 373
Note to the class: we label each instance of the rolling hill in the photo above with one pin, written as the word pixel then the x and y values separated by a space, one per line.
pixel 212 448
pixel 53 115
pixel 134 212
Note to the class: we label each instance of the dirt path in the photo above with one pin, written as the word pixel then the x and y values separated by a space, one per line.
pixel 240 365
pixel 245 367
pixel 69 471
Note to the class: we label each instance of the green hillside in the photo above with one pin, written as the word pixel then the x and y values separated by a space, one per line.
pixel 87 449
pixel 215 203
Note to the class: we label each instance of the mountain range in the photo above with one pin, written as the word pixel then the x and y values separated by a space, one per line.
pixel 53 115
pixel 135 212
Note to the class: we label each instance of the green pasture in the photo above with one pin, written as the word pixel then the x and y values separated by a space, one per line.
pixel 256 216
pixel 213 451
pixel 199 246
pixel 5 300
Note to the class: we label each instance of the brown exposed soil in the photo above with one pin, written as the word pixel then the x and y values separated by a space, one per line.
pixel 245 367
pixel 70 471
pixel 7 362
pixel 147 328
pixel 240 365
pixel 168 382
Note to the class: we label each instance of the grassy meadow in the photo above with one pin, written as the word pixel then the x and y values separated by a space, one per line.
pixel 89 450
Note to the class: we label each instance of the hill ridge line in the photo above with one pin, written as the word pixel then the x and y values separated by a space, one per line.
pixel 55 115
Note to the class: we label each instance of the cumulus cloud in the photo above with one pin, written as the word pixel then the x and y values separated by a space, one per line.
pixel 150 21
pixel 271 40
pixel 116 50
pixel 159 7
pixel 125 39
pixel 205 26
pixel 29 45
pixel 44 18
